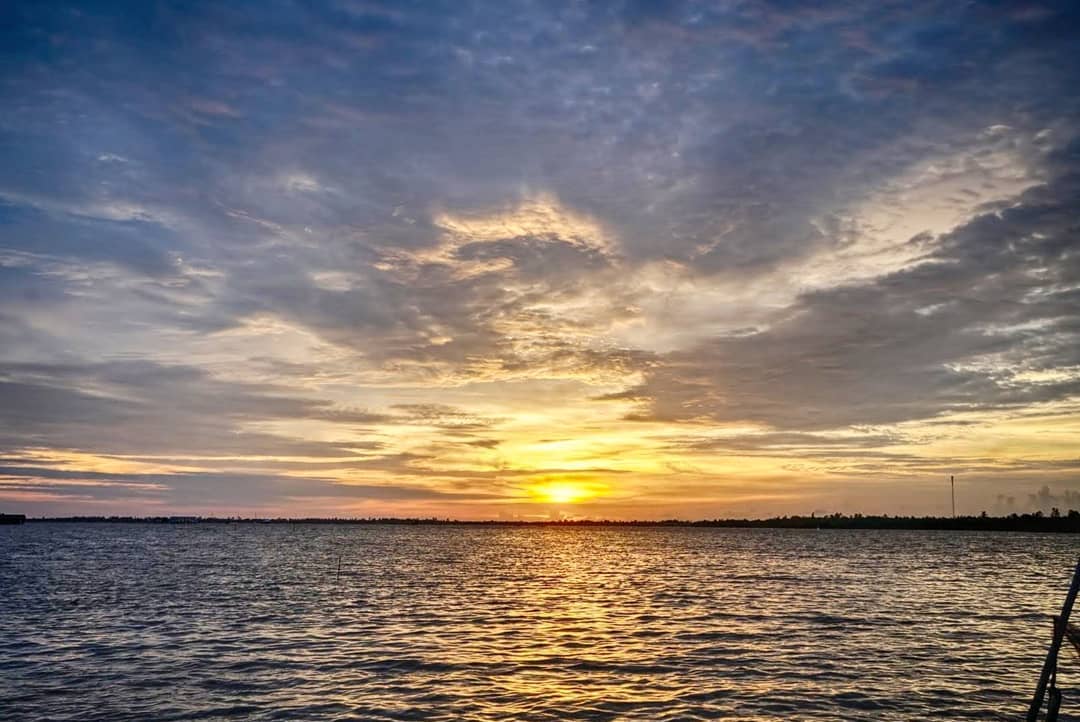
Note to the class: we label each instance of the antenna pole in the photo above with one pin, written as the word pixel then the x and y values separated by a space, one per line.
pixel 952 485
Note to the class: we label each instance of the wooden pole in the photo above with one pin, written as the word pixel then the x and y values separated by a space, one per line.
pixel 1050 665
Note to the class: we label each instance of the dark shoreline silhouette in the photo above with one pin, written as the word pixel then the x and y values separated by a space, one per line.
pixel 1034 522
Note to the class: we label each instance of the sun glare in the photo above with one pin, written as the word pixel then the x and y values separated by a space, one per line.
pixel 562 492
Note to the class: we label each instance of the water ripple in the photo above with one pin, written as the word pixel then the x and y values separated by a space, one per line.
pixel 116 622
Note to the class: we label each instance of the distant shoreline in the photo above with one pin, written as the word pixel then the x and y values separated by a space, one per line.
pixel 1068 523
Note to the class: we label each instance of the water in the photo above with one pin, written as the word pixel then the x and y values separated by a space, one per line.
pixel 462 623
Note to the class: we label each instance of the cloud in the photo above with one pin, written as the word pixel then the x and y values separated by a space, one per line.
pixel 207 489
pixel 139 244
pixel 145 408
pixel 993 299
pixel 1046 500
pixel 410 241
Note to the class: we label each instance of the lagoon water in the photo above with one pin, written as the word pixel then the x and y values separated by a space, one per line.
pixel 243 621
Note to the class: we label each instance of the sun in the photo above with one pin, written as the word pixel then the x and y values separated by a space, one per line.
pixel 562 492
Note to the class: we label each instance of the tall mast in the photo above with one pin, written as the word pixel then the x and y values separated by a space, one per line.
pixel 952 486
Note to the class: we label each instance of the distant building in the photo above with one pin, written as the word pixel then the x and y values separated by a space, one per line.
pixel 184 519
pixel 12 518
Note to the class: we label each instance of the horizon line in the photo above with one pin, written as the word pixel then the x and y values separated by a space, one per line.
pixel 1070 515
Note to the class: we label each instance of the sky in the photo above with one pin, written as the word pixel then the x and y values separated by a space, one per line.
pixel 530 260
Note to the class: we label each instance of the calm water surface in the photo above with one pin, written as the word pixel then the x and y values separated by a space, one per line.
pixel 451 623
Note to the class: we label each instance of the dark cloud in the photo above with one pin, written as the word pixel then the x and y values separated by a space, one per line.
pixel 712 135
pixel 145 408
pixel 996 297
pixel 210 488
pixel 797 443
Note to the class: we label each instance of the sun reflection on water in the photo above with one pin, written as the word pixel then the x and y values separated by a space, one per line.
pixel 452 623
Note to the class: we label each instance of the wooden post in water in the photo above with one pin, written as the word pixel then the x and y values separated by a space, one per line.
pixel 1050 665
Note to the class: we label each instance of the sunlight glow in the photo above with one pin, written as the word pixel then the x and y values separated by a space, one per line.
pixel 563 492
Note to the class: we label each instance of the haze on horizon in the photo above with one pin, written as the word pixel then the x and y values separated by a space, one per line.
pixel 528 260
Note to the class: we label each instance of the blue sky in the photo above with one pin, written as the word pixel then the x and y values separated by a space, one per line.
pixel 526 259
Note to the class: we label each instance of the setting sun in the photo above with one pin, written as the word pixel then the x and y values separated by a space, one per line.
pixel 563 492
